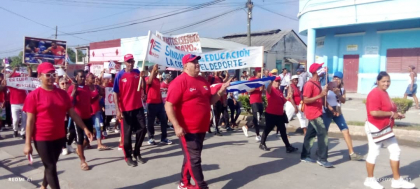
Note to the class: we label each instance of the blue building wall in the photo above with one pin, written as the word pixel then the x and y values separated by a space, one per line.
pixel 335 47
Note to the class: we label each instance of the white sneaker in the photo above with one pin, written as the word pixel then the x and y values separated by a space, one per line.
pixel 372 183
pixel 113 120
pixel 70 148
pixel 117 131
pixel 258 138
pixel 64 152
pixel 245 130
pixel 402 183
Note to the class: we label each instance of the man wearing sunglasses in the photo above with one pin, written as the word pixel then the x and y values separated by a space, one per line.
pixel 129 107
pixel 188 108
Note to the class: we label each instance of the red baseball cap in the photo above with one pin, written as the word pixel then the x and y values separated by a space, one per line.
pixel 45 67
pixel 314 67
pixel 128 57
pixel 189 58
pixel 278 78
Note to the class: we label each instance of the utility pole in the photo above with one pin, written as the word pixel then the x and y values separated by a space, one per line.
pixel 249 5
pixel 55 32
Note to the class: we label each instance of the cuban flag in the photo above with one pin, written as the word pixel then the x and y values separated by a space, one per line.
pixel 68 60
pixel 321 71
pixel 245 86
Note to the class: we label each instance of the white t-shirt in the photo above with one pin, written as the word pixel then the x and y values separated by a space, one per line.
pixel 332 98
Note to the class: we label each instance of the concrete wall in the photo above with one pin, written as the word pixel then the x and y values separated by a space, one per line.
pixel 335 47
pixel 326 13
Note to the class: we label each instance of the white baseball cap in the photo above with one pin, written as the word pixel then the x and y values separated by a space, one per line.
pixel 295 77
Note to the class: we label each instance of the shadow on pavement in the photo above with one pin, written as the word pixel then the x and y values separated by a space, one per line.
pixel 169 179
pixel 412 170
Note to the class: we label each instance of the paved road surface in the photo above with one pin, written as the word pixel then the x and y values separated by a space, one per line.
pixel 229 162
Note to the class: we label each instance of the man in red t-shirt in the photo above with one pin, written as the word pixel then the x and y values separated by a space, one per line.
pixel 255 99
pixel 17 99
pixel 129 106
pixel 155 108
pixel 188 108
pixel 81 97
pixel 220 108
pixel 313 96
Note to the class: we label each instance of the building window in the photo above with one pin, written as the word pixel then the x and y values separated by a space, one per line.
pixel 279 65
pixel 398 60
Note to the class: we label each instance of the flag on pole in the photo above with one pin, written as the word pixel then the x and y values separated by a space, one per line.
pixel 111 64
pixel 246 86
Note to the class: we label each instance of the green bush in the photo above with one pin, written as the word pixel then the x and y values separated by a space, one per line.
pixel 403 105
pixel 244 99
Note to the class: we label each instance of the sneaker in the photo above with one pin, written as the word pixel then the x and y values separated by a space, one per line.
pixel 264 147
pixel 372 183
pixel 307 160
pixel 166 141
pixel 70 148
pixel 325 164
pixel 258 138
pixel 140 159
pixel 245 130
pixel 186 186
pixel 131 163
pixel 151 142
pixel 22 136
pixel 133 137
pixel 64 152
pixel 113 120
pixel 15 134
pixel 117 131
pixel 355 157
pixel 402 183
pixel 291 149
pixel 120 147
pixel 104 133
pixel 229 128
pixel 218 133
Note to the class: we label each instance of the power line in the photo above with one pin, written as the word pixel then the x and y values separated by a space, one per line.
pixel 164 15
pixel 295 19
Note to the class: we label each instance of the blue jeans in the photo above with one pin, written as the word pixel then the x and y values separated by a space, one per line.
pixel 340 121
pixel 97 120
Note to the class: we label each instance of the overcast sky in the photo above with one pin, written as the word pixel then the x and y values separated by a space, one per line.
pixel 79 15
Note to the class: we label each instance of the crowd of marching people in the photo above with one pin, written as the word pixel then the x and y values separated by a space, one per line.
pixel 69 110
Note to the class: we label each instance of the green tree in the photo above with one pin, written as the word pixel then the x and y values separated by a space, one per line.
pixel 80 55
pixel 16 60
pixel 71 54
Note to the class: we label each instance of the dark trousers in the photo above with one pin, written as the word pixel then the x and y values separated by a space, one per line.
pixel 192 145
pixel 316 127
pixel 217 111
pixel 153 111
pixel 50 151
pixel 107 121
pixel 234 109
pixel 225 116
pixel 133 120
pixel 72 132
pixel 272 120
pixel 8 108
pixel 256 108
pixel 283 90
pixel 80 133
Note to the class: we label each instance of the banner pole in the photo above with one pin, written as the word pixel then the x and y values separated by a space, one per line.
pixel 262 62
pixel 144 59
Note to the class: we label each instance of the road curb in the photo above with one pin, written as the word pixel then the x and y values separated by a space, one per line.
pixel 403 134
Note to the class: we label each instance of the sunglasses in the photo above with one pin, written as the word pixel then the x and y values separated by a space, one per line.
pixel 49 75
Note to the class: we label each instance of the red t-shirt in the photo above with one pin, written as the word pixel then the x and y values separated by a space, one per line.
pixel 110 84
pixel 164 85
pixel 379 100
pixel 83 101
pixel 216 80
pixel 59 51
pixel 296 94
pixel 49 108
pixel 191 99
pixel 314 109
pixel 275 101
pixel 126 84
pixel 95 104
pixel 2 96
pixel 256 95
pixel 153 92
pixel 17 96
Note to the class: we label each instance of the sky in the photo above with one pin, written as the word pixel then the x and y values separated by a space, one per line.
pixel 81 15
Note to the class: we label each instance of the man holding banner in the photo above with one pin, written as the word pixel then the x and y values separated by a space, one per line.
pixel 129 106
pixel 188 108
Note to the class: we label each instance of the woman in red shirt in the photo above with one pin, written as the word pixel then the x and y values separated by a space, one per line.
pixel 46 108
pixel 381 113
pixel 274 115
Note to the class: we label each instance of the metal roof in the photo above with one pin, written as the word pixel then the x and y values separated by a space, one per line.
pixel 268 38
pixel 219 43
